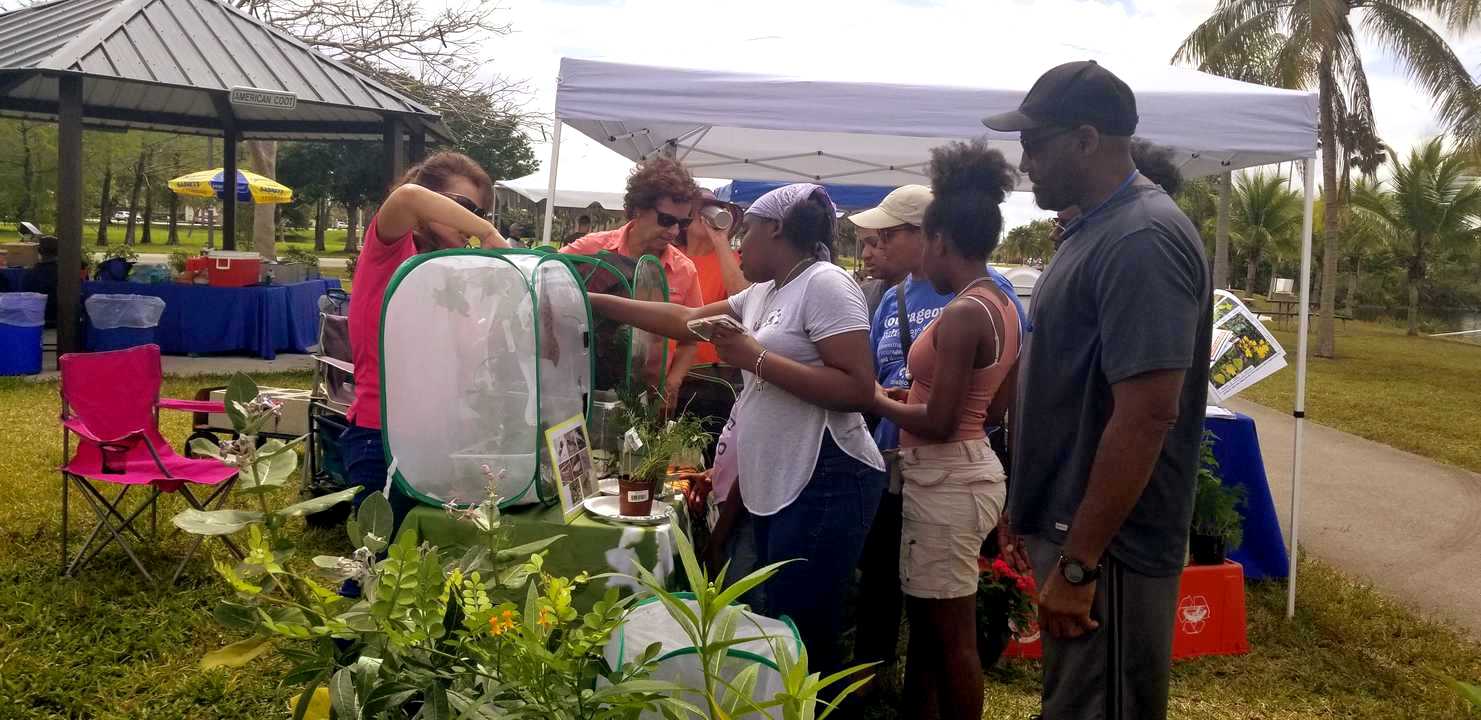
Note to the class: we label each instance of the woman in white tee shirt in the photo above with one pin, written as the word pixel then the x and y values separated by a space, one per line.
pixel 810 473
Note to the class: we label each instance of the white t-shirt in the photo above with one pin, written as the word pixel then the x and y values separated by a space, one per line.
pixel 778 435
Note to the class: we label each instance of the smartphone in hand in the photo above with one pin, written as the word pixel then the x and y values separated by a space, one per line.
pixel 704 328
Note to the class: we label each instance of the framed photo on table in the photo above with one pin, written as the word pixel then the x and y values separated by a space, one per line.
pixel 570 455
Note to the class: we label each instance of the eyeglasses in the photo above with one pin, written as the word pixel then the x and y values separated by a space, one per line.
pixel 666 220
pixel 1032 146
pixel 466 203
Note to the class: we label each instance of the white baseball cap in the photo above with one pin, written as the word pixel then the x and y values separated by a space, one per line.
pixel 903 206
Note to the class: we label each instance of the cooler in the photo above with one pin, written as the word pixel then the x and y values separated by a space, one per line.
pixel 22 316
pixel 234 269
pixel 1210 618
pixel 22 254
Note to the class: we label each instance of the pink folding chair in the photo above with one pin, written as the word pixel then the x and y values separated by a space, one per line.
pixel 111 402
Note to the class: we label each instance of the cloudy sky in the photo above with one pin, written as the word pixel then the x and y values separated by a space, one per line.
pixel 900 40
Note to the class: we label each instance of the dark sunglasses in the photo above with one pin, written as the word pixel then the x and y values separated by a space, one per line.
pixel 1032 146
pixel 466 203
pixel 668 221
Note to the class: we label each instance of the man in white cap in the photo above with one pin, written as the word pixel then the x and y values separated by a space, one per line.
pixel 910 305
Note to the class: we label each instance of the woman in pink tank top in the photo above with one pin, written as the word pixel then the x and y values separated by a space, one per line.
pixel 953 485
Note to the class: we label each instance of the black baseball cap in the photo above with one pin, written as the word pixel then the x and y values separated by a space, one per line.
pixel 1071 95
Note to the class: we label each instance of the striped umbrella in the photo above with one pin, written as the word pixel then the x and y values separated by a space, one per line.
pixel 250 187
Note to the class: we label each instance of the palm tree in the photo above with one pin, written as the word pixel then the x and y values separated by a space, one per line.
pixel 1362 238
pixel 1265 220
pixel 1430 206
pixel 1305 43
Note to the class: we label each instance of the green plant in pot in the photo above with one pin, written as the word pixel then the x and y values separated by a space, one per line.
pixel 1218 525
pixel 649 446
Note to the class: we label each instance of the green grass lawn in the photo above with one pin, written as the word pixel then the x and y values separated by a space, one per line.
pixel 192 239
pixel 1414 393
pixel 104 646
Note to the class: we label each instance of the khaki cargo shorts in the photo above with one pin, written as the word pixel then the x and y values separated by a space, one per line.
pixel 953 494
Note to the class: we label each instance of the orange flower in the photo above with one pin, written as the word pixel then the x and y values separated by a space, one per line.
pixel 546 619
pixel 500 624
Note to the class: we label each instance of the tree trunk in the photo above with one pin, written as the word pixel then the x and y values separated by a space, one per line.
pixel 1326 327
pixel 352 229
pixel 1352 287
pixel 1221 235
pixel 321 219
pixel 105 207
pixel 1413 306
pixel 174 236
pixel 1416 279
pixel 1251 264
pixel 28 176
pixel 128 234
pixel 264 154
pixel 145 238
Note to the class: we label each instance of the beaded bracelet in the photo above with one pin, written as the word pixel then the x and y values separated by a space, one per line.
pixel 757 369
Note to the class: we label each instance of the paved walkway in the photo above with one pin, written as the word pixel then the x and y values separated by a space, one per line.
pixel 1407 524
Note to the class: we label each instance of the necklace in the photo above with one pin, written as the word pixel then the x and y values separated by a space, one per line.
pixel 794 272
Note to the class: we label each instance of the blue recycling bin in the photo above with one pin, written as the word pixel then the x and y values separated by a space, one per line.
pixel 22 317
pixel 119 321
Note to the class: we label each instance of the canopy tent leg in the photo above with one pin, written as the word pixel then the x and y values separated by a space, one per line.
pixel 555 162
pixel 1308 171
pixel 69 211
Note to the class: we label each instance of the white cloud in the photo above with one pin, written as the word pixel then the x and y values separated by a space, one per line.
pixel 899 40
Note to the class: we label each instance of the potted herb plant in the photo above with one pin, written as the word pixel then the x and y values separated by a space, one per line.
pixel 1218 525
pixel 649 446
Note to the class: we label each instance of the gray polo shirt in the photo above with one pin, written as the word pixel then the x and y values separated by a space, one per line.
pixel 1128 292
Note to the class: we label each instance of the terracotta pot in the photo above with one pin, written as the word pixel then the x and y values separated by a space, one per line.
pixel 635 496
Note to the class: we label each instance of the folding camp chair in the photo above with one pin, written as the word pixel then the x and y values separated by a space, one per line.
pixel 329 407
pixel 111 402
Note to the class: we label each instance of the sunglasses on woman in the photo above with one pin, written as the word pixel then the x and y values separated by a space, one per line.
pixel 666 220
pixel 466 203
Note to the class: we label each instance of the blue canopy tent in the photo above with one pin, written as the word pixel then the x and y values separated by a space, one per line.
pixel 846 197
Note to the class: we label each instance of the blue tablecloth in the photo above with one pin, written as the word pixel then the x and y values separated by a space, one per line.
pixel 261 320
pixel 14 279
pixel 1237 448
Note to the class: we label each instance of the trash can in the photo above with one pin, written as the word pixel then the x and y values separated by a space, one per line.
pixel 22 315
pixel 116 322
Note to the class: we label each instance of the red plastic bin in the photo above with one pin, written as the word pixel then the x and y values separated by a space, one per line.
pixel 1210 618
pixel 234 269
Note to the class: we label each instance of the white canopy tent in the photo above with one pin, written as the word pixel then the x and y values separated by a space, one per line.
pixel 822 129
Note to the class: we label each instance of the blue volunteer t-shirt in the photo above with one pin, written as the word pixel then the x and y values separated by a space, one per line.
pixel 924 305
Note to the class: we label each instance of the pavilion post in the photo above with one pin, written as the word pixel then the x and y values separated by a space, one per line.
pixel 69 211
pixel 231 135
pixel 1303 328
pixel 418 149
pixel 395 151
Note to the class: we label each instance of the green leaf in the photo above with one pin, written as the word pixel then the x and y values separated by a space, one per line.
pixel 375 518
pixel 272 471
pixel 521 551
pixel 215 522
pixel 745 584
pixel 205 447
pixel 352 528
pixel 232 615
pixel 236 654
pixel 319 504
pixel 742 688
pixel 306 700
pixel 638 687
pixel 342 694
pixel 240 390
pixel 1471 693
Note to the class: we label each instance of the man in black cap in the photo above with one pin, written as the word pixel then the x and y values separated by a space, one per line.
pixel 1111 401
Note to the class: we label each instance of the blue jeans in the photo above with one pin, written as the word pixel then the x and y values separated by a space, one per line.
pixel 364 456
pixel 825 528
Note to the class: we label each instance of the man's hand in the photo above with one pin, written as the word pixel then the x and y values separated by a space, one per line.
pixel 1010 546
pixel 1064 609
pixel 491 239
pixel 671 394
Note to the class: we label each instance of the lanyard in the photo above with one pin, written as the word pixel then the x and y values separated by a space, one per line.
pixel 1080 221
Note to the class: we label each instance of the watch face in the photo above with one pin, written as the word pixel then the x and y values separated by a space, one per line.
pixel 1074 573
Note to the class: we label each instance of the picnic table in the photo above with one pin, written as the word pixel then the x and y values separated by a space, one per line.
pixel 262 320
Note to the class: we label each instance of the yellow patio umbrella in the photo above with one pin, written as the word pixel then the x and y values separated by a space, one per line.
pixel 250 187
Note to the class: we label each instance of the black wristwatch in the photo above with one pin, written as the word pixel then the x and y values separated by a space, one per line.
pixel 1077 573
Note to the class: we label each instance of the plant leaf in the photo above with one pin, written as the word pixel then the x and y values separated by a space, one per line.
pixel 205 447
pixel 520 551
pixel 215 522
pixel 342 694
pixel 232 615
pixel 745 584
pixel 240 390
pixel 236 654
pixel 375 519
pixel 319 504
pixel 271 471
pixel 1471 693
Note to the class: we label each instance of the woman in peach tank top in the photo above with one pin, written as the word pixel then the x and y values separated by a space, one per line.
pixel 954 487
